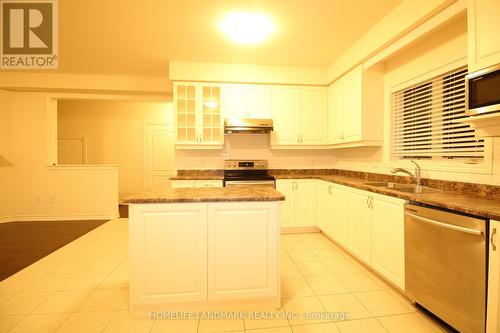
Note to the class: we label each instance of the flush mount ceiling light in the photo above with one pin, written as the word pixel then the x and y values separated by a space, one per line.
pixel 247 28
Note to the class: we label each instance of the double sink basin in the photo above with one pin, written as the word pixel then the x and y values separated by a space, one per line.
pixel 407 188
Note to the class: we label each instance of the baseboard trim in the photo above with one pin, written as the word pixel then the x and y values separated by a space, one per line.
pixel 68 217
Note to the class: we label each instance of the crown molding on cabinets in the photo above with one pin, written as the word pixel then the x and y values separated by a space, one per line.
pixel 246 73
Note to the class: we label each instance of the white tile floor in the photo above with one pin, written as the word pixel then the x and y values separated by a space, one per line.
pixel 83 287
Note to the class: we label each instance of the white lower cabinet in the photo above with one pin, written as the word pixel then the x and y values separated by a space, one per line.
pixel 493 308
pixel 324 207
pixel 369 225
pixel 359 221
pixel 195 183
pixel 297 209
pixel 239 268
pixel 387 238
pixel 201 256
pixel 166 240
pixel 340 214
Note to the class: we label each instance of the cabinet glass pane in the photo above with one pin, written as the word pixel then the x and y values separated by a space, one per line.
pixel 181 106
pixel 191 120
pixel 181 134
pixel 191 92
pixel 181 92
pixel 191 107
pixel 190 134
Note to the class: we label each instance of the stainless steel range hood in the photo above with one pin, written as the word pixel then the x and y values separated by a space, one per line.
pixel 247 125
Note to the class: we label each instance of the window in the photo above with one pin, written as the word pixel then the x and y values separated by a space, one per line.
pixel 426 122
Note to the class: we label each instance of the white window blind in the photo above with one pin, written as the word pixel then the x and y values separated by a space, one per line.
pixel 425 120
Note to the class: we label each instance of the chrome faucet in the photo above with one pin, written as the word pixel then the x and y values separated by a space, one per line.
pixel 416 177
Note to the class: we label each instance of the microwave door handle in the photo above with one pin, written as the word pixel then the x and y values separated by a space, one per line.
pixel 446 225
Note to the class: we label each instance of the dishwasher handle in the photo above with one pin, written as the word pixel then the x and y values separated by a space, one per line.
pixel 446 225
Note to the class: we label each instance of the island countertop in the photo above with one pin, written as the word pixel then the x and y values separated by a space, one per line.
pixel 224 194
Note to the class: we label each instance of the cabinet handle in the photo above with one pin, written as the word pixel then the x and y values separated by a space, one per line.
pixel 368 201
pixel 493 238
pixel 371 202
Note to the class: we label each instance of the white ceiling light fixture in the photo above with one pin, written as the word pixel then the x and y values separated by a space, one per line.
pixel 247 28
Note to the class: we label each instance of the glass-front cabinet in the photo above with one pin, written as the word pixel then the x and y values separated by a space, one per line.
pixel 199 120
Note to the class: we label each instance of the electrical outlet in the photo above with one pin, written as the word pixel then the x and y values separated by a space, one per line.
pixel 51 200
pixel 37 200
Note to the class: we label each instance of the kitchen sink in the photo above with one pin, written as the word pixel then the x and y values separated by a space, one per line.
pixel 407 188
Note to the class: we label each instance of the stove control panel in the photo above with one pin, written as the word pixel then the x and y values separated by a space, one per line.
pixel 245 165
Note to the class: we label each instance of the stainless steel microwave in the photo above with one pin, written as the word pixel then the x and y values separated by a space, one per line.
pixel 483 91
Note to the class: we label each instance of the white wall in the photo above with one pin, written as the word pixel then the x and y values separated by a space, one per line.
pixel 31 190
pixel 440 48
pixel 114 133
pixel 254 146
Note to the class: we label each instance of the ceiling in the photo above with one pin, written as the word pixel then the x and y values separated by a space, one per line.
pixel 132 37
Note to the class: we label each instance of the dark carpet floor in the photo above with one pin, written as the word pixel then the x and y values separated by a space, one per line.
pixel 23 243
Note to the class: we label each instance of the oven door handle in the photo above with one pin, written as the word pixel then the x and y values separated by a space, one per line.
pixel 445 225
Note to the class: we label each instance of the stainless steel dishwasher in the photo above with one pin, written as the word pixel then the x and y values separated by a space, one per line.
pixel 445 265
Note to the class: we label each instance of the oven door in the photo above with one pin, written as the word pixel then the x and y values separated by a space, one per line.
pixel 232 183
pixel 483 93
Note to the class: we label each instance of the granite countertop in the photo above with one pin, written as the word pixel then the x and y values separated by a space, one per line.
pixel 465 202
pixel 197 177
pixel 224 194
pixel 215 174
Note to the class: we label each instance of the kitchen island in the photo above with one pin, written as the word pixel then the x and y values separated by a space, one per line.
pixel 204 249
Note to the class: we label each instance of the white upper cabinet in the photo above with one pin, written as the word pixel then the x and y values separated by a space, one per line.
pixel 246 101
pixel 483 36
pixel 314 113
pixel 198 115
pixel 299 115
pixel 355 108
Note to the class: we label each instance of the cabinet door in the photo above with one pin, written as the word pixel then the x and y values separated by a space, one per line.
pixel 168 253
pixel 340 200
pixel 324 207
pixel 313 116
pixel 246 101
pixel 237 267
pixel 256 101
pixel 493 311
pixel 182 183
pixel 284 109
pixel 388 239
pixel 210 115
pixel 186 114
pixel 359 225
pixel 285 186
pixel 336 106
pixel 352 108
pixel 483 36
pixel 303 203
pixel 208 183
pixel 233 101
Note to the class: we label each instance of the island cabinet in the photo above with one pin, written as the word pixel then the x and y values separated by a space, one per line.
pixel 493 308
pixel 204 256
pixel 297 210
pixel 483 36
